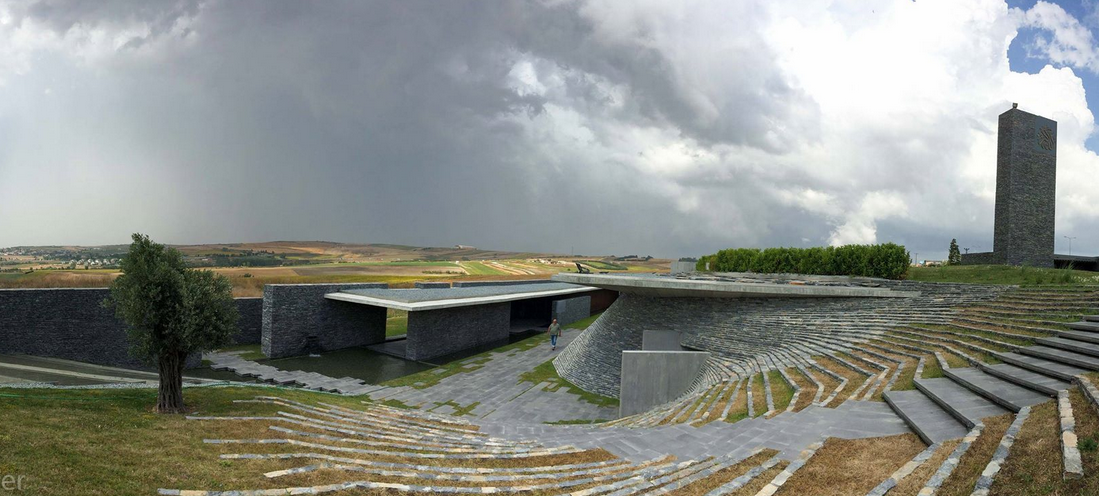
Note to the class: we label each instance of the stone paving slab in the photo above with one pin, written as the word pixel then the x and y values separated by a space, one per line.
pixel 1006 394
pixel 928 419
pixel 1056 369
pixel 790 433
pixel 1031 379
pixel 958 400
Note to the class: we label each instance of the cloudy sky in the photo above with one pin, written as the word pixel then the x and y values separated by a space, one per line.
pixel 651 127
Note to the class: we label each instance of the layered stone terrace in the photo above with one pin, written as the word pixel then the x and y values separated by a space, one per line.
pixel 969 384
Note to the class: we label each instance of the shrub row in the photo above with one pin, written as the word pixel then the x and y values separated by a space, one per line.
pixel 889 261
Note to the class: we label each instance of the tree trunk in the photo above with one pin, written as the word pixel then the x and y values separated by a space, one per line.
pixel 170 397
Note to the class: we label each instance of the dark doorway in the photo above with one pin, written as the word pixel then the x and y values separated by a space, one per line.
pixel 534 313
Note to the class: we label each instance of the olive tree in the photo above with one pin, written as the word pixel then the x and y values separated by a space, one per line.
pixel 171 312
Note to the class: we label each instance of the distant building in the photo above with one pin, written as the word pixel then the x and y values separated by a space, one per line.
pixel 465 247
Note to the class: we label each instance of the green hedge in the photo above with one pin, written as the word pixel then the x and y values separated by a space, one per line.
pixel 889 261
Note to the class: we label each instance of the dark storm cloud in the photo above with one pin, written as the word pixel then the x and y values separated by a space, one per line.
pixel 663 128
pixel 371 121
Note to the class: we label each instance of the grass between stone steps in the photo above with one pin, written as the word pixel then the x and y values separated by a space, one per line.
pixel 755 485
pixel 911 485
pixel 854 379
pixel 852 466
pixel 1034 466
pixel 724 475
pixel 808 389
pixel 759 395
pixel 781 392
pixel 1016 339
pixel 974 461
pixel 937 343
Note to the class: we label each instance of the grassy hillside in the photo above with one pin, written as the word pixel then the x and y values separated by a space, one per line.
pixel 1002 274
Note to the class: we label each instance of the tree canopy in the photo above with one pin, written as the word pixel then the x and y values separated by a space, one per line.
pixel 171 312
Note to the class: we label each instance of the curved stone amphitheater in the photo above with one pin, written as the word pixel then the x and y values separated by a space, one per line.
pixel 956 389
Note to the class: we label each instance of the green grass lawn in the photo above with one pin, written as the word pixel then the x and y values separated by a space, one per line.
pixel 1004 274
pixel 93 442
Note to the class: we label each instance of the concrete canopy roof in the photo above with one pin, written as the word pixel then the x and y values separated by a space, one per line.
pixel 436 299
pixel 666 286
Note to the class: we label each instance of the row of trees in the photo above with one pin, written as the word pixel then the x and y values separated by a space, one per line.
pixel 889 260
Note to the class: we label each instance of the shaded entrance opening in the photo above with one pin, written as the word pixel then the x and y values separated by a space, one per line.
pixel 532 314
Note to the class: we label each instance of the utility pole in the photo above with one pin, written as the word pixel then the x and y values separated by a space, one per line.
pixel 1070 238
pixel 966 250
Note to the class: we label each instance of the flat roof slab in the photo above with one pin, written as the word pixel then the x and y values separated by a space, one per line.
pixel 440 298
pixel 669 286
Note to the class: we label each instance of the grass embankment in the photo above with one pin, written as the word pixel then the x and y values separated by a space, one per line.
pixel 1003 274
pixel 109 441
pixel 852 466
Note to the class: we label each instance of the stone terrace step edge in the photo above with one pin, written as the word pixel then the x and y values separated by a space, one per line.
pixel 964 419
pixel 988 475
pixel 1070 453
pixel 982 392
pixel 936 480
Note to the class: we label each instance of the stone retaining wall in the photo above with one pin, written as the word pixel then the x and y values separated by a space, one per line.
pixel 734 327
pixel 298 319
pixel 434 333
pixel 251 321
pixel 569 310
pixel 71 323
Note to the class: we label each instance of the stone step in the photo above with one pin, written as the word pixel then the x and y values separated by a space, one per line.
pixel 966 406
pixel 1086 336
pixel 1006 394
pixel 1091 318
pixel 1089 326
pixel 1063 356
pixel 1081 347
pixel 925 417
pixel 1055 369
pixel 1027 378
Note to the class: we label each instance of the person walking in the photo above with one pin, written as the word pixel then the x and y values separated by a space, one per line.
pixel 554 332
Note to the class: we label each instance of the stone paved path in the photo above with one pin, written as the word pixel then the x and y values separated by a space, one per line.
pixel 790 433
pixel 267 373
pixel 500 396
pixel 494 388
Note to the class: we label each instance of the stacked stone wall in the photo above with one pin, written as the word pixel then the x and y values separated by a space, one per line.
pixel 73 324
pixel 747 327
pixel 298 319
pixel 434 333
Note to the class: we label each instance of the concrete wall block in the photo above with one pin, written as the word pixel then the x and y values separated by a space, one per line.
pixel 651 378
pixel 655 340
pixel 296 316
pixel 434 333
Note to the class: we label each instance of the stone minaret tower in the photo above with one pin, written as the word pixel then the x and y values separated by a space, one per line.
pixel 1026 185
